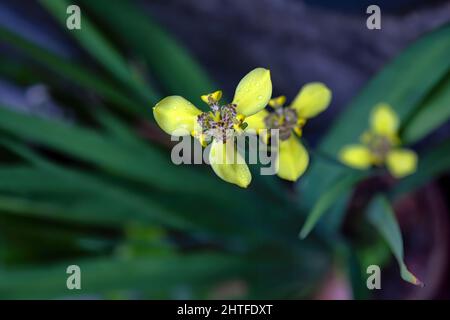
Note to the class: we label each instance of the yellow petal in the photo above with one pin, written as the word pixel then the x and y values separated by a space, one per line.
pixel 228 164
pixel 383 120
pixel 401 162
pixel 212 97
pixel 312 99
pixel 176 116
pixel 356 156
pixel 253 92
pixel 256 121
pixel 293 159
pixel 277 102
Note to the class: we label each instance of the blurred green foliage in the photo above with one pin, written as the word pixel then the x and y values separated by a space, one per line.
pixel 98 194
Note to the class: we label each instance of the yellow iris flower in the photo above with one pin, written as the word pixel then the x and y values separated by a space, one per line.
pixel 177 116
pixel 380 145
pixel 312 99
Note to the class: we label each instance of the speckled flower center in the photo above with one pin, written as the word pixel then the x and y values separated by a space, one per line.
pixel 218 123
pixel 283 119
pixel 380 146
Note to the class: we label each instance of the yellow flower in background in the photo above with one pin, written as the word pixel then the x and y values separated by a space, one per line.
pixel 380 145
pixel 177 116
pixel 312 99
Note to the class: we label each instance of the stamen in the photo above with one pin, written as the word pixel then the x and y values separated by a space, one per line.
pixel 379 145
pixel 283 119
pixel 277 102
pixel 220 123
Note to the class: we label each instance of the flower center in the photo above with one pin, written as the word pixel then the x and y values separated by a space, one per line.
pixel 380 147
pixel 283 119
pixel 219 123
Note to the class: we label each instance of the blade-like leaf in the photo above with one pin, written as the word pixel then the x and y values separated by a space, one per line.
pixel 398 84
pixel 144 209
pixel 225 221
pixel 150 167
pixel 96 44
pixel 118 129
pixel 382 217
pixel 103 275
pixel 432 113
pixel 431 164
pixel 169 62
pixel 328 199
pixel 72 71
pixel 145 166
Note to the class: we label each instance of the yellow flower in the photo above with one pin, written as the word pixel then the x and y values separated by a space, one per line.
pixel 293 158
pixel 177 116
pixel 380 146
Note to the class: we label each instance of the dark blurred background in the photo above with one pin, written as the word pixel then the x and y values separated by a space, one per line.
pixel 300 41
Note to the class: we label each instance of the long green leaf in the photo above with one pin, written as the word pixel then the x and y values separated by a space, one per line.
pixel 35 240
pixel 94 211
pixel 16 71
pixel 148 166
pixel 224 221
pixel 431 164
pixel 105 275
pixel 168 61
pixel 144 209
pixel 23 179
pixel 432 113
pixel 72 71
pixel 152 168
pixel 382 217
pixel 96 44
pixel 328 198
pixel 398 84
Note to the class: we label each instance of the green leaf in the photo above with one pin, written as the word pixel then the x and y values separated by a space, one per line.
pixel 433 112
pixel 23 179
pixel 348 259
pixel 382 217
pixel 400 85
pixel 397 84
pixel 223 220
pixel 97 45
pixel 431 164
pixel 150 166
pixel 144 209
pixel 80 211
pixel 118 129
pixel 139 208
pixel 154 274
pixel 168 61
pixel 72 71
pixel 16 71
pixel 32 239
pixel 338 190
